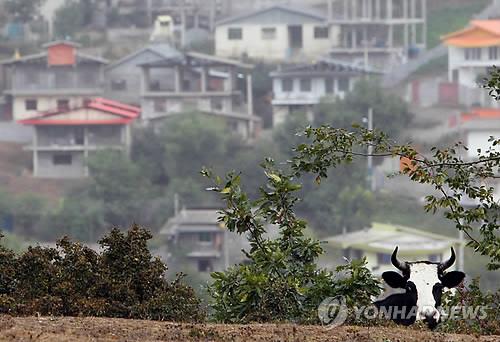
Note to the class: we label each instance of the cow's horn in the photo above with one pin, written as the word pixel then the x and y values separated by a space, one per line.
pixel 402 266
pixel 447 264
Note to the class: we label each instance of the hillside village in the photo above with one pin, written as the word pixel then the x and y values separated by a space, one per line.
pixel 107 117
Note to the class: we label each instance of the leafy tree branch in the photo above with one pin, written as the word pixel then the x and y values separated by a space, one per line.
pixel 462 183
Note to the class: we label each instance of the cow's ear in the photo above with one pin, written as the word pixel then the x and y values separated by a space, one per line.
pixel 394 279
pixel 452 279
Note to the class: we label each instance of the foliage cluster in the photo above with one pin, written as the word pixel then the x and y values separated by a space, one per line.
pixel 281 281
pixel 466 191
pixel 72 280
pixel 471 298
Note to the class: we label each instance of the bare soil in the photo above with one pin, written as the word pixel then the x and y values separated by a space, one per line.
pixel 103 329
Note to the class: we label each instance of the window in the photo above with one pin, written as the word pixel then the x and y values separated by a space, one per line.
pixel 269 33
pixel 62 159
pixel 383 259
pixel 329 86
pixel 344 84
pixel 493 52
pixel 321 32
pixel 234 33
pixel 287 84
pixel 31 104
pixel 435 257
pixel 159 105
pixel 118 85
pixel 154 85
pixel 305 84
pixel 473 54
pixel 205 265
pixel 216 104
pixel 205 237
pixel 62 104
pixel 357 254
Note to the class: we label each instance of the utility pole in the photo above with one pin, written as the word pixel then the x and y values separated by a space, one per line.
pixel 461 235
pixel 371 181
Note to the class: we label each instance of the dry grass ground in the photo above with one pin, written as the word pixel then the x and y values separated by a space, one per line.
pixel 102 329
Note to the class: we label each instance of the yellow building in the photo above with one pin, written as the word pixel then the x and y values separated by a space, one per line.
pixel 378 242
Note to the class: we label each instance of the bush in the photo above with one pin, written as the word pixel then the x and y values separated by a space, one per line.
pixel 471 298
pixel 281 280
pixel 73 280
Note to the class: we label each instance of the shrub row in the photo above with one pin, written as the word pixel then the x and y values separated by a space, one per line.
pixel 73 280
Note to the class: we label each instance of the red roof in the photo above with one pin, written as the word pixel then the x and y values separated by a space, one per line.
pixel 480 33
pixel 124 114
pixel 481 113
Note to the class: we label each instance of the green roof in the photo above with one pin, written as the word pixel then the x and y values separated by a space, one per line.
pixel 382 237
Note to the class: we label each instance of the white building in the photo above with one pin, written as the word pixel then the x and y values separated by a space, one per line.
pixel 301 87
pixel 275 33
pixel 471 53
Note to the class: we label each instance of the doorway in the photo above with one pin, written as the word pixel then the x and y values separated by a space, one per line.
pixel 295 37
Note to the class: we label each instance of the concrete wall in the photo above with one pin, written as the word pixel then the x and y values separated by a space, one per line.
pixel 42 77
pixel 44 103
pixel 46 168
pixel 479 140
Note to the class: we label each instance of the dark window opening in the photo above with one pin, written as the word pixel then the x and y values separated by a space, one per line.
pixel 321 32
pixel 79 136
pixel 344 84
pixel 305 84
pixel 473 53
pixel 154 85
pixel 269 33
pixel 118 85
pixel 205 265
pixel 235 33
pixel 287 84
pixel 205 237
pixel 434 257
pixel 62 159
pixel 31 104
pixel 62 104
pixel 329 86
pixel 383 259
pixel 493 52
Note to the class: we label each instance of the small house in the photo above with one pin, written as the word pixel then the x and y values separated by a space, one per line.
pixel 123 77
pixel 64 137
pixel 276 33
pixel 471 54
pixel 378 242
pixel 197 241
pixel 201 83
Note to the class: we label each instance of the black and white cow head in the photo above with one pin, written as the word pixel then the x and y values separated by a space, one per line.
pixel 423 282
